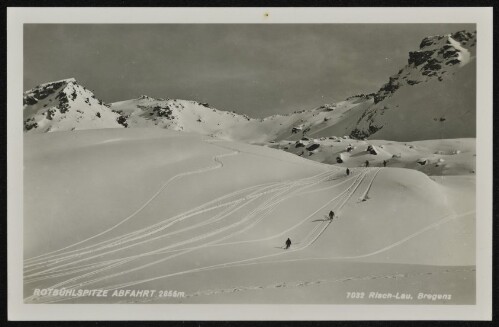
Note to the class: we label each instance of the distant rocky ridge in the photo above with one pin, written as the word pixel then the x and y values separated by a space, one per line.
pixel 437 85
pixel 434 60
pixel 65 105
pixel 433 96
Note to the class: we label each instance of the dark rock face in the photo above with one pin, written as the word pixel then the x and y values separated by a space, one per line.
pixel 29 100
pixel 453 62
pixel 451 53
pixel 362 96
pixel 432 64
pixel 45 91
pixel 426 42
pixel 371 150
pixel 73 95
pixel 387 89
pixel 362 134
pixel 50 113
pixel 122 121
pixel 463 36
pixel 358 134
pixel 63 102
pixel 313 147
pixel 165 111
pixel 417 58
pixel 422 162
pixel 431 68
pixel 30 124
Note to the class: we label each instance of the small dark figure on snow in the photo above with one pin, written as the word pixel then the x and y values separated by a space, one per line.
pixel 367 163
pixel 288 243
pixel 331 215
pixel 348 171
pixel 384 163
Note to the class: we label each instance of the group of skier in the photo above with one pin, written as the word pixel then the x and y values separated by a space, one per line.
pixel 330 217
pixel 384 163
pixel 331 213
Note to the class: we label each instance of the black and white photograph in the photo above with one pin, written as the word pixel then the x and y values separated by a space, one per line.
pixel 253 163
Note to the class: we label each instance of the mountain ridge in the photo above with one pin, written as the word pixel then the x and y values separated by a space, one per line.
pixel 440 59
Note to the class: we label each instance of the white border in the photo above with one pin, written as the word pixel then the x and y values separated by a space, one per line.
pixel 17 310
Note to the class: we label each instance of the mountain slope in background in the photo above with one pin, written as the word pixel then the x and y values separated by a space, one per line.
pixel 65 105
pixel 178 115
pixel 432 97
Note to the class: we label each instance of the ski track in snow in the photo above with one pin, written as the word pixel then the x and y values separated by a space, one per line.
pixel 282 191
pixel 233 202
pixel 351 190
pixel 156 251
pixel 49 257
pixel 154 228
pixel 197 171
pixel 294 284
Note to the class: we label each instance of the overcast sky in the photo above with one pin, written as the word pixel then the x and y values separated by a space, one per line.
pixel 258 70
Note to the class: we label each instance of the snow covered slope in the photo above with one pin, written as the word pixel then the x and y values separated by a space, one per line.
pixel 63 106
pixel 441 157
pixel 432 97
pixel 178 115
pixel 192 116
pixel 156 209
pixel 329 119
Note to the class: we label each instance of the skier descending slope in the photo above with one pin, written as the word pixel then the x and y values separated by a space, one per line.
pixel 331 215
pixel 288 243
pixel 348 171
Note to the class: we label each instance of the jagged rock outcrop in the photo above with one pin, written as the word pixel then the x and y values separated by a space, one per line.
pixel 433 96
pixel 65 105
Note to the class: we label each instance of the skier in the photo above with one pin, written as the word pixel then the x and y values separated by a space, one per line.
pixel 367 163
pixel 348 171
pixel 288 243
pixel 331 215
pixel 384 163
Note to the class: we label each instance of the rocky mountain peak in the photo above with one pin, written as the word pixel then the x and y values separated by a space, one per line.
pixel 65 105
pixel 435 59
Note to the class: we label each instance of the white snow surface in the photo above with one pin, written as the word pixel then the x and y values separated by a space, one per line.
pixel 157 209
pixel 63 106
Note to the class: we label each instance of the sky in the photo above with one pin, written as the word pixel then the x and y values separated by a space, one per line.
pixel 253 69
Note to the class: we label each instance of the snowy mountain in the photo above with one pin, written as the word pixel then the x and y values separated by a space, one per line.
pixel 179 115
pixel 63 106
pixel 138 204
pixel 329 119
pixel 432 97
